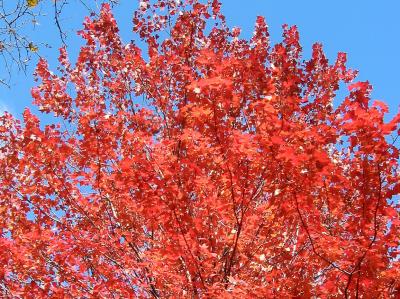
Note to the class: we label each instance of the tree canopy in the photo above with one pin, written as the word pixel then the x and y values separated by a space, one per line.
pixel 205 166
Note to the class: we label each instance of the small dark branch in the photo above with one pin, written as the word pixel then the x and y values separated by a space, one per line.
pixel 358 283
pixel 2 82
pixel 305 226
pixel 357 267
pixel 181 230
pixel 57 12
pixel 232 257
pixel 153 290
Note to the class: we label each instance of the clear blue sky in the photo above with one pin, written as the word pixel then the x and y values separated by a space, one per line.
pixel 367 30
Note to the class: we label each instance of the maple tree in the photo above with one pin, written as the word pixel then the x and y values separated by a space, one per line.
pixel 207 167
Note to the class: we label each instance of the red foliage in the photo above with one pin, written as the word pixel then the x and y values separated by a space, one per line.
pixel 214 167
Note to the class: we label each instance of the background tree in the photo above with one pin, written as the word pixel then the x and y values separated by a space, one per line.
pixel 19 16
pixel 210 166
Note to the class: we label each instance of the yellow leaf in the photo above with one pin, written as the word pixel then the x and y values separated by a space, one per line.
pixel 32 47
pixel 32 3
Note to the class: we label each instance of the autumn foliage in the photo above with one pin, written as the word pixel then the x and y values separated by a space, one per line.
pixel 200 165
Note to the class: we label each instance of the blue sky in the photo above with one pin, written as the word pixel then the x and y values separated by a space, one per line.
pixel 367 30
